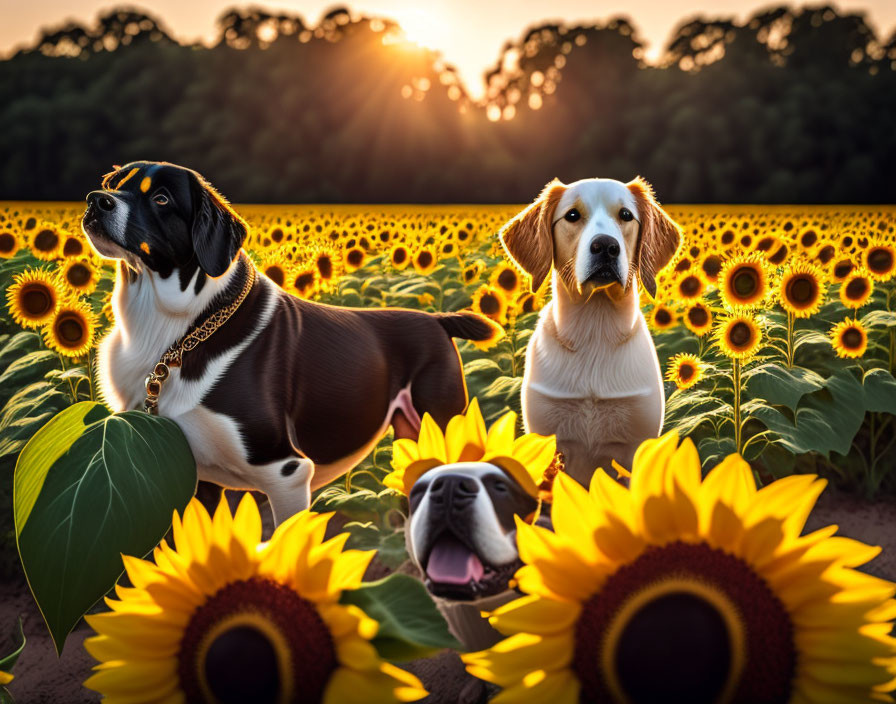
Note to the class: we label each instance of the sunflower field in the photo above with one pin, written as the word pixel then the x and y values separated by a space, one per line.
pixel 775 328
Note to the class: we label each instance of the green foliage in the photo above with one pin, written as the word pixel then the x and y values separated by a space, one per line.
pixel 264 119
pixel 8 661
pixel 90 486
pixel 410 624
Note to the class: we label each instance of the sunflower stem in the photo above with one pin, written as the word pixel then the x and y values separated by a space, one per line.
pixel 737 428
pixel 71 386
pixel 790 325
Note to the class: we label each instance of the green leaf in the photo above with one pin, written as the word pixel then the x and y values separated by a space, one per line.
pixel 389 544
pixel 26 370
pixel 781 386
pixel 410 624
pixel 879 318
pixel 89 486
pixel 18 346
pixel 880 391
pixel 8 661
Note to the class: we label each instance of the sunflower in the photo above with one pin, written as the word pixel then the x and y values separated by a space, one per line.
pixel 662 317
pixel 304 280
pixel 490 302
pixel 72 329
pixel 690 286
pixel 779 256
pixel 353 259
pixel 880 261
pixel 73 246
pixel 849 338
pixel 507 278
pixel 45 243
pixel 698 318
pixel 738 336
pixel 682 589
pixel 399 256
pixel 711 266
pixel 529 302
pixel 842 268
pixel 743 281
pixel 325 261
pixel 472 271
pixel 801 289
pixel 219 617
pixel 525 458
pixel 33 297
pixel 856 289
pixel 275 266
pixel 425 261
pixel 685 370
pixel 79 275
pixel 9 244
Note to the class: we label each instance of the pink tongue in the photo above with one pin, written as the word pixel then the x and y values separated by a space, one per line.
pixel 451 562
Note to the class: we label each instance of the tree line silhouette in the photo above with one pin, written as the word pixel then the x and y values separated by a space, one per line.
pixel 791 105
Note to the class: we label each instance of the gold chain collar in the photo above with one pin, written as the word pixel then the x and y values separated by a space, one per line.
pixel 173 356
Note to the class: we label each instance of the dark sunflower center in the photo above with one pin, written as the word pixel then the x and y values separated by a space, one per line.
pixel 698 316
pixel 808 238
pixel 70 330
pixel 399 255
pixel 852 338
pixel 78 275
pixel 739 335
pixel 745 282
pixel 780 255
pixel 683 265
pixel 856 289
pixel 303 281
pixel 685 623
pixel 325 267
pixel 469 274
pixel 277 234
pixel 424 259
pixel 880 260
pixel 802 290
pixel 355 257
pixel 256 640
pixel 712 265
pixel 727 237
pixel 841 269
pixel 765 244
pixel 7 242
pixel 825 254
pixel 663 317
pixel 36 300
pixel 45 240
pixel 507 279
pixel 686 371
pixel 276 274
pixel 690 286
pixel 528 303
pixel 489 304
pixel 72 247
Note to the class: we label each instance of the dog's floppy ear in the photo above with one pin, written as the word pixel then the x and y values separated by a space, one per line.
pixel 527 237
pixel 217 231
pixel 658 237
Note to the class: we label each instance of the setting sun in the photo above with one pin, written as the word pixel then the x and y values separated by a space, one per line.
pixel 425 28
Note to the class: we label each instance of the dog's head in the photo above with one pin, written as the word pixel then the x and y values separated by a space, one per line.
pixel 461 531
pixel 596 232
pixel 163 217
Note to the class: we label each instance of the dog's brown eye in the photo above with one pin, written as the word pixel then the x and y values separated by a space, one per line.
pixel 160 199
pixel 625 215
pixel 572 215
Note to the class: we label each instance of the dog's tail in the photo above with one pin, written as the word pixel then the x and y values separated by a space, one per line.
pixel 467 325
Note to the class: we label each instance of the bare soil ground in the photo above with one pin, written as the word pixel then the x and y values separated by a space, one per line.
pixel 42 678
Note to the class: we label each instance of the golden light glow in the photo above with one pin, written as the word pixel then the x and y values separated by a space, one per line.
pixel 423 27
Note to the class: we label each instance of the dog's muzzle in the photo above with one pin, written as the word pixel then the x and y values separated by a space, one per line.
pixel 453 567
pixel 604 269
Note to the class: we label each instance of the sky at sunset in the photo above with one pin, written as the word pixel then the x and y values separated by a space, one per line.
pixel 469 33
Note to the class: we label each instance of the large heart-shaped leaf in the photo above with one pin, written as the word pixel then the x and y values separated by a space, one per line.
pixel 89 486
pixel 782 386
pixel 410 624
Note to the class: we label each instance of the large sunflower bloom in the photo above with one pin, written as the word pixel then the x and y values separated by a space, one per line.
pixel 72 329
pixel 801 289
pixel 220 618
pixel 738 336
pixel 682 589
pixel 685 370
pixel 743 281
pixel 34 297
pixel 849 338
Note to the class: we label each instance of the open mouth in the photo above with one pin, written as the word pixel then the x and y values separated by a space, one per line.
pixel 454 571
pixel 604 276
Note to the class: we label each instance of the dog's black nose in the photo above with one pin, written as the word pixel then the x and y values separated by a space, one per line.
pixel 101 200
pixel 454 490
pixel 604 244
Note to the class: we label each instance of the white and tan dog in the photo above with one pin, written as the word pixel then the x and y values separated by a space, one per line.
pixel 592 376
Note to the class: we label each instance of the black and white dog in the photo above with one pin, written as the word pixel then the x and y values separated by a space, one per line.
pixel 461 534
pixel 287 394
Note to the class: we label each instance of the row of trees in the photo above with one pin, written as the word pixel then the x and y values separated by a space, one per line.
pixel 789 106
